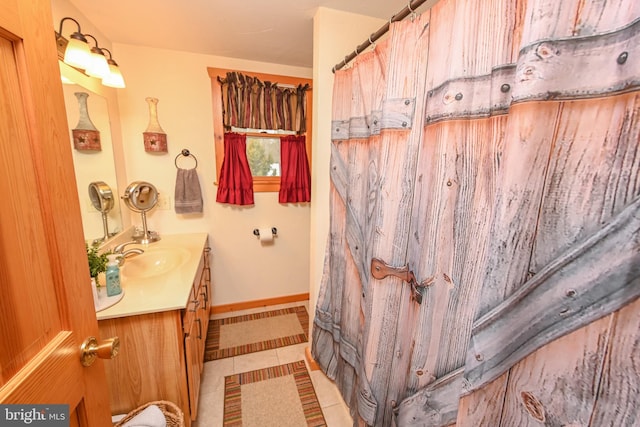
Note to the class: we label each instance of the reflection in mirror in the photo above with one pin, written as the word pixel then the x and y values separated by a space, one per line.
pixel 102 199
pixel 93 166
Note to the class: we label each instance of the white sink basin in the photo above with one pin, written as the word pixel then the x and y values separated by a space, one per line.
pixel 154 262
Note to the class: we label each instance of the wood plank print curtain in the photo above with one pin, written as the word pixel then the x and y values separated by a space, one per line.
pixel 491 148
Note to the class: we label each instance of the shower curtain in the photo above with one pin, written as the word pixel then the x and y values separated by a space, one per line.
pixel 483 260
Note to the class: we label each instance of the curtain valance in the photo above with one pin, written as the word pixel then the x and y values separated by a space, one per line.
pixel 250 103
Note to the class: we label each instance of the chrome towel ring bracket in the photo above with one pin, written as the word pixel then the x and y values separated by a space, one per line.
pixel 186 153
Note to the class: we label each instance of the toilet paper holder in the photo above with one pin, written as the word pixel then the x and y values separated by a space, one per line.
pixel 274 231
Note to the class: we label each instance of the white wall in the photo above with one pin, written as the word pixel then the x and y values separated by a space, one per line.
pixel 243 268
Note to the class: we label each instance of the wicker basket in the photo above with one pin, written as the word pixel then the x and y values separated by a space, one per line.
pixel 171 412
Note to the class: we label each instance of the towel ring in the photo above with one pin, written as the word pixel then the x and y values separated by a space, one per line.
pixel 186 153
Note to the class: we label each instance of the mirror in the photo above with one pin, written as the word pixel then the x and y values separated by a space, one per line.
pixel 93 166
pixel 141 196
pixel 102 199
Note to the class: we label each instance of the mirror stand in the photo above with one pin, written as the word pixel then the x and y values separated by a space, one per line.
pixel 141 197
pixel 145 236
pixel 105 227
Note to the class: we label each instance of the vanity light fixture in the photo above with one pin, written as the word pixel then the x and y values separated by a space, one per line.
pixel 98 67
pixel 114 78
pixel 77 52
pixel 90 61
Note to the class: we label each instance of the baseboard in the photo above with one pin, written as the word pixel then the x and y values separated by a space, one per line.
pixel 313 366
pixel 225 308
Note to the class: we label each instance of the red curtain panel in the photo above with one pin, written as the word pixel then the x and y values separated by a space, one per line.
pixel 236 183
pixel 295 180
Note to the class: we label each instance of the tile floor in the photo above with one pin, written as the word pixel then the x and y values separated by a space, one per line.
pixel 210 406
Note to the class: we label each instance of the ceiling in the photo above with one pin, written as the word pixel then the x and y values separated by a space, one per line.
pixel 275 31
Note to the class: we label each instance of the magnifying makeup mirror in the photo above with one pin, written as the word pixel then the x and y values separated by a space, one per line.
pixel 141 196
pixel 102 199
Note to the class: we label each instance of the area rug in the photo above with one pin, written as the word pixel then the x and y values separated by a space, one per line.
pixel 280 396
pixel 249 333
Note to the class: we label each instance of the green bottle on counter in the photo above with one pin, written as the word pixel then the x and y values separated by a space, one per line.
pixel 113 276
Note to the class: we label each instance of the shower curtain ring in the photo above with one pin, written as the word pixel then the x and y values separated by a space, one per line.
pixel 371 42
pixel 413 12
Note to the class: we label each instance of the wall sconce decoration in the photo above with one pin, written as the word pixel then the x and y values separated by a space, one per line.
pixel 92 61
pixel 155 140
pixel 85 136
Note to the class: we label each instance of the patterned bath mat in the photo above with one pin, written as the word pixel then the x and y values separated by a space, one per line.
pixel 237 335
pixel 280 396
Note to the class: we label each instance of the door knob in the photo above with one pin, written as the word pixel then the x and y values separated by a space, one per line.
pixel 90 350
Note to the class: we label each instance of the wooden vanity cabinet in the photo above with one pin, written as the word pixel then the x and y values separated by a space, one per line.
pixel 196 325
pixel 161 354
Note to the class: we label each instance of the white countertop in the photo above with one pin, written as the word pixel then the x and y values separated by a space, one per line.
pixel 168 291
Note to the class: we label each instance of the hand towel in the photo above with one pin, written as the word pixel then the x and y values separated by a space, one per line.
pixel 151 416
pixel 188 196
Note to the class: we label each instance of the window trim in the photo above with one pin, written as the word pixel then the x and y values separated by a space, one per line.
pixel 266 183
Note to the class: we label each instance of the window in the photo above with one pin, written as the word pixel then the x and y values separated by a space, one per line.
pixel 261 143
pixel 264 155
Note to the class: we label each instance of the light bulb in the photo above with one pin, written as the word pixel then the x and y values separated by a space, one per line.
pixel 77 53
pixel 114 78
pixel 98 66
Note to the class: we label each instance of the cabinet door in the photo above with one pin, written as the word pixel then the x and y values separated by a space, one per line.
pixel 205 286
pixel 204 294
pixel 192 355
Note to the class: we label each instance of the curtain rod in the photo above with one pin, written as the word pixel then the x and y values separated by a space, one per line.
pixel 410 8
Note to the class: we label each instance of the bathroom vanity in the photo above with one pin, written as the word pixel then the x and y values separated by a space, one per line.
pixel 162 323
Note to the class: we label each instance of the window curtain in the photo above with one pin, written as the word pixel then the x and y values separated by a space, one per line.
pixel 236 183
pixel 295 179
pixel 250 103
pixel 490 149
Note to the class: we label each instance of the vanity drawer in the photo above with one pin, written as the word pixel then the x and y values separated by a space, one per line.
pixel 196 301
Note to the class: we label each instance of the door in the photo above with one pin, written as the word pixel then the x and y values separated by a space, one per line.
pixel 46 307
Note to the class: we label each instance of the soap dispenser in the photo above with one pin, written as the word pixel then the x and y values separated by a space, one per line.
pixel 113 275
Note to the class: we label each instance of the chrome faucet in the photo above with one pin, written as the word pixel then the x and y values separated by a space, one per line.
pixel 119 250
